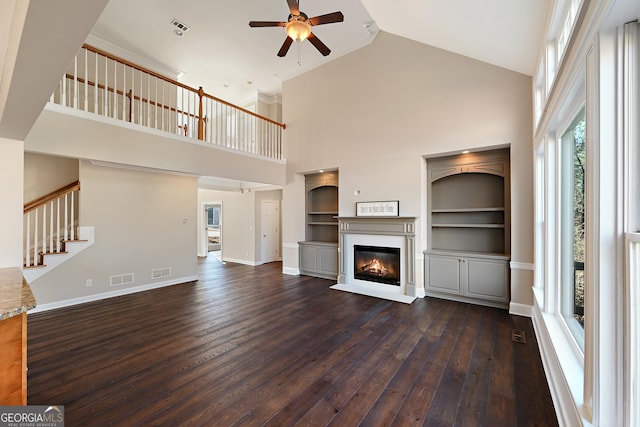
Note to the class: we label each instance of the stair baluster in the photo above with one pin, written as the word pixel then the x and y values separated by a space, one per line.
pixel 44 224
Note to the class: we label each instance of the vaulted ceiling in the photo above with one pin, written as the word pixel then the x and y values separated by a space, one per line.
pixel 231 60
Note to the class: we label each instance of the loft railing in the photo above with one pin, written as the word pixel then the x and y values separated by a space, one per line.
pixel 104 84
pixel 49 222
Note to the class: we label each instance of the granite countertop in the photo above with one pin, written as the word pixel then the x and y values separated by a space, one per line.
pixel 15 294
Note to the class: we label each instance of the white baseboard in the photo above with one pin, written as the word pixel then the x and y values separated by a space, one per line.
pixel 515 265
pixel 111 294
pixel 291 271
pixel 520 309
pixel 240 261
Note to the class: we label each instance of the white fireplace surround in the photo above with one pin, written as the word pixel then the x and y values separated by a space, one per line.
pixel 395 232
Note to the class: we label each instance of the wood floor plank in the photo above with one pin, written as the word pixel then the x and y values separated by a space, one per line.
pixel 445 403
pixel 501 398
pixel 415 406
pixel 386 407
pixel 473 397
pixel 249 346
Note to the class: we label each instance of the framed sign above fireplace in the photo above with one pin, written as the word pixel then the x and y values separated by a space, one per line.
pixel 389 208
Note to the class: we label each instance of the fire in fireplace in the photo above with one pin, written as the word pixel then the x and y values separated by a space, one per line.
pixel 377 264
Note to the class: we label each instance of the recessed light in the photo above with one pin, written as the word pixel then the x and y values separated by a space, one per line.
pixel 179 33
pixel 466 152
pixel 321 170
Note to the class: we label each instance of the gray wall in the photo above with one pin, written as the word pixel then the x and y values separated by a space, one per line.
pixel 378 112
pixel 44 174
pixel 139 219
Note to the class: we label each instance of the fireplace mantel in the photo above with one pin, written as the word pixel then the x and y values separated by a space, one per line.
pixel 362 228
pixel 387 225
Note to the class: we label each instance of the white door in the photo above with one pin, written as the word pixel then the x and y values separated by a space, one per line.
pixel 270 228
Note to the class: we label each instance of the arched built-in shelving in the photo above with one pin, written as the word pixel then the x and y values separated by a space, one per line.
pixel 468 232
pixel 318 254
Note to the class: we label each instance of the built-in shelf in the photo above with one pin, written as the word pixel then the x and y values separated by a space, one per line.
pixel 462 210
pixel 468 233
pixel 469 225
pixel 319 251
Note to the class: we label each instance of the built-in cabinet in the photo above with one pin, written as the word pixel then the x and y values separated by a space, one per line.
pixel 469 228
pixel 480 279
pixel 318 253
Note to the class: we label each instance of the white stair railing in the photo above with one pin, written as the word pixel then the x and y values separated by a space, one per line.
pixel 103 84
pixel 50 222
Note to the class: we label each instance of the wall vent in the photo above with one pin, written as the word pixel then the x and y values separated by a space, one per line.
pixel 121 279
pixel 179 25
pixel 159 273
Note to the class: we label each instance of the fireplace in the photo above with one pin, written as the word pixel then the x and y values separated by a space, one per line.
pixel 377 264
pixel 377 257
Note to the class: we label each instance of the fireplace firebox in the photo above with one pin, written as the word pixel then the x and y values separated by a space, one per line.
pixel 377 264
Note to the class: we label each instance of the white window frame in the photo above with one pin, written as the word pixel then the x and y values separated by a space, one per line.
pixel 576 344
pixel 575 332
pixel 631 221
pixel 632 335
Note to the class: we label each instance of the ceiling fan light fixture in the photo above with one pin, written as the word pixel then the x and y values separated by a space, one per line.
pixel 298 29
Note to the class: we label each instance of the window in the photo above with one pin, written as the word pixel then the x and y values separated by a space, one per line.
pixel 572 226
pixel 556 42
pixel 213 216
pixel 540 191
pixel 633 319
pixel 567 27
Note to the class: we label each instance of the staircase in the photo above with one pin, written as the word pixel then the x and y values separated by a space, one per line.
pixel 51 233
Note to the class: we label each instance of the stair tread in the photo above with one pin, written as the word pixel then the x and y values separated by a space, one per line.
pixel 34 266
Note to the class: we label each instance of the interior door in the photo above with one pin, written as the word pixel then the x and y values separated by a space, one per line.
pixel 270 227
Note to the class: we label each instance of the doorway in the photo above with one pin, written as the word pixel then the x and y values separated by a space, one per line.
pixel 213 226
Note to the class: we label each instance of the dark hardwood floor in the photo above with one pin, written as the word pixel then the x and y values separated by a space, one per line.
pixel 250 346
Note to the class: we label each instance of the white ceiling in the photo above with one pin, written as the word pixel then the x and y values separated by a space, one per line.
pixel 230 60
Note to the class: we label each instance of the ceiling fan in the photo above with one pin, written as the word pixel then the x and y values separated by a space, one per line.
pixel 298 27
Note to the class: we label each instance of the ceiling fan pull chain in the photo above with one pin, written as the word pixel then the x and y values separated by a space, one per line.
pixel 299 54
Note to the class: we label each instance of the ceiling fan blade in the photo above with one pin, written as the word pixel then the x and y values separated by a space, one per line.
pixel 294 7
pixel 329 18
pixel 285 47
pixel 322 48
pixel 266 24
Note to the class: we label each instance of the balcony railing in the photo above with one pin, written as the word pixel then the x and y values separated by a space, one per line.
pixel 104 84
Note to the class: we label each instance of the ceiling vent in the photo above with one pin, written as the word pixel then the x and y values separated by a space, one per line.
pixel 179 26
